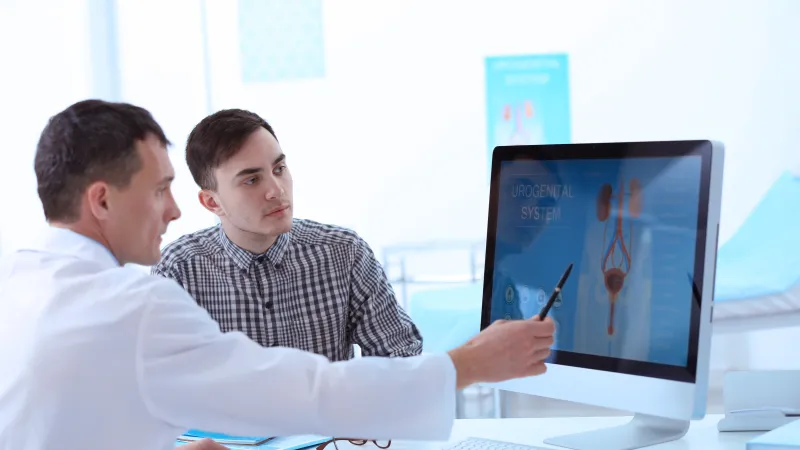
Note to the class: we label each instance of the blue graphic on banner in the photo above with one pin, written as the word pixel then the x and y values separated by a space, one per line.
pixel 281 40
pixel 527 99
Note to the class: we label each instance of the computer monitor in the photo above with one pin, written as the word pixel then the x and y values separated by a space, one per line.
pixel 640 223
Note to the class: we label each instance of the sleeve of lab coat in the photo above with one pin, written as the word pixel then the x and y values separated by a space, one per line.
pixel 192 375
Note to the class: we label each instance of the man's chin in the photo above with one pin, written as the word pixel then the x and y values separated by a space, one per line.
pixel 151 259
pixel 282 227
pixel 278 225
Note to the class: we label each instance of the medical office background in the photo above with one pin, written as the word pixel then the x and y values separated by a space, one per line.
pixel 388 111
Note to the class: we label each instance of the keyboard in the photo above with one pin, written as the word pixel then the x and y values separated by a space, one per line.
pixel 488 444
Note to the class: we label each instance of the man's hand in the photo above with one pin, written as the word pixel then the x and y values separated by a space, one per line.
pixel 203 444
pixel 504 350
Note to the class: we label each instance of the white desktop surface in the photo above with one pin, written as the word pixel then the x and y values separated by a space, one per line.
pixel 702 435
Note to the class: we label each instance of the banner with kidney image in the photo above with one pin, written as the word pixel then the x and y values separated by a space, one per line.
pixel 527 100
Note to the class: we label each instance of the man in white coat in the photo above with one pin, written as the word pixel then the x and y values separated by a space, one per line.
pixel 97 355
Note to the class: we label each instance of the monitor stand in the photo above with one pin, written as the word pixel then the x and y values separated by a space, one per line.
pixel 641 431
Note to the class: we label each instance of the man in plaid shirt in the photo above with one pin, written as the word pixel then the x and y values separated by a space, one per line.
pixel 280 280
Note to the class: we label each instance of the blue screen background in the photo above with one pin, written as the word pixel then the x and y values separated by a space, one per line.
pixel 547 219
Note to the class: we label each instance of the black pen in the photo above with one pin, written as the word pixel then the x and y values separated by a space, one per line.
pixel 555 294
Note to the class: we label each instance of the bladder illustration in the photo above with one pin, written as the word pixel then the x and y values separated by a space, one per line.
pixel 616 257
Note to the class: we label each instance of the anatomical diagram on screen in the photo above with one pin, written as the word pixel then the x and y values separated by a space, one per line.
pixel 615 279
pixel 616 257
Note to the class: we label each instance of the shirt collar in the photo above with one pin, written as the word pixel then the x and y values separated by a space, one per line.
pixel 62 241
pixel 244 259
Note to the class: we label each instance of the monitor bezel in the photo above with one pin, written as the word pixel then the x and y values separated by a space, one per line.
pixel 613 150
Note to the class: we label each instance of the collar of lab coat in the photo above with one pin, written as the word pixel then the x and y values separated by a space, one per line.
pixel 66 242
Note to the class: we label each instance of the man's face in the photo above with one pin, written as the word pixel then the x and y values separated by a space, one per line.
pixel 254 188
pixel 139 214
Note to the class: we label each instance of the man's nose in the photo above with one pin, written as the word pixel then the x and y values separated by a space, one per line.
pixel 175 211
pixel 274 189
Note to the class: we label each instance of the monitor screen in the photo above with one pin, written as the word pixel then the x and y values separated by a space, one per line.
pixel 634 228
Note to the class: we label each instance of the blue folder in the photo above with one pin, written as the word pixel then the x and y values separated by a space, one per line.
pixel 225 439
pixel 254 442
pixel 785 437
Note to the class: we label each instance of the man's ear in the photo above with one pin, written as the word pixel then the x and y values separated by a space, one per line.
pixel 209 202
pixel 97 195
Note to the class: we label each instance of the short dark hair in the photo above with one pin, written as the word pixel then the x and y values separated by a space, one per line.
pixel 218 138
pixel 90 141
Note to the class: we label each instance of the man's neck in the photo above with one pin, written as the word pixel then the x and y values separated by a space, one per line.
pixel 88 231
pixel 252 242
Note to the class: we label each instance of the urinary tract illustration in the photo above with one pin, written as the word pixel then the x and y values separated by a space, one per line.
pixel 617 247
pixel 524 130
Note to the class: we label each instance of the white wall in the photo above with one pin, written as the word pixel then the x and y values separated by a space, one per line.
pixel 162 69
pixel 46 66
pixel 392 139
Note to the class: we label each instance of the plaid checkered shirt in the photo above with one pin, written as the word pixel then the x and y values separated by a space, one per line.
pixel 317 288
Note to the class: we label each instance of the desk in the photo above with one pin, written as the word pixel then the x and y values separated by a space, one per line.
pixel 702 435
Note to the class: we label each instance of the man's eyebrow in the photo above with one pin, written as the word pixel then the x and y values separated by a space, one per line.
pixel 255 170
pixel 249 171
pixel 167 179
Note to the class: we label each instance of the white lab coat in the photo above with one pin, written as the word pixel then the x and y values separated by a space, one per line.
pixel 98 356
